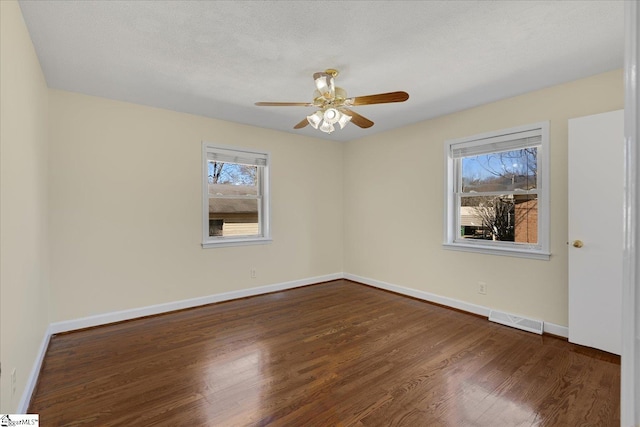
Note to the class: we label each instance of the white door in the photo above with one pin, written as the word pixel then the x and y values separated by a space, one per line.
pixel 596 159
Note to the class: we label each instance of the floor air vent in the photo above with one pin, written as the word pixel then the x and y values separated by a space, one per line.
pixel 514 321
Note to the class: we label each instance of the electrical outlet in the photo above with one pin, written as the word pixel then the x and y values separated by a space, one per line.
pixel 482 288
pixel 253 273
pixel 13 382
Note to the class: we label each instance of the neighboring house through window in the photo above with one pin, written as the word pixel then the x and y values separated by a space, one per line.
pixel 235 196
pixel 497 192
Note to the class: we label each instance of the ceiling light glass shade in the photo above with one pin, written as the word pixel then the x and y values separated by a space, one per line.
pixel 315 119
pixel 344 119
pixel 326 127
pixel 331 115
pixel 325 84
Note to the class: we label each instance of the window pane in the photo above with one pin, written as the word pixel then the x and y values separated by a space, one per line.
pixel 230 179
pixel 233 217
pixel 504 218
pixel 233 174
pixel 503 171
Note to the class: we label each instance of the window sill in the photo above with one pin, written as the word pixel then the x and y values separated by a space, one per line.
pixel 504 251
pixel 225 242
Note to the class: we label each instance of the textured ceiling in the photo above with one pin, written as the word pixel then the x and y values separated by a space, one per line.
pixel 216 58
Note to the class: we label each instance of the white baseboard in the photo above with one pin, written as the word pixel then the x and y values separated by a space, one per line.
pixel 449 302
pixel 557 330
pixel 30 387
pixel 550 328
pixel 118 316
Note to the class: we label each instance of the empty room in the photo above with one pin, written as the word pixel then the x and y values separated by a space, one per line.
pixel 318 213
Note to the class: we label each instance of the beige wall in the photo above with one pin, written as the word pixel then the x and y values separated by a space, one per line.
pixel 24 286
pixel 394 202
pixel 126 207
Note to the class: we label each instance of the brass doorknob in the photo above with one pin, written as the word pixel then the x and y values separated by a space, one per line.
pixel 578 244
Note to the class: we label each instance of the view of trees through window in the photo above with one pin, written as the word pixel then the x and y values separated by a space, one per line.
pixel 498 196
pixel 232 173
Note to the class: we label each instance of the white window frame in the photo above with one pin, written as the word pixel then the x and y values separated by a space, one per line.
pixel 452 240
pixel 264 200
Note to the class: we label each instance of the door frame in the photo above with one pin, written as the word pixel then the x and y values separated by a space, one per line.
pixel 630 369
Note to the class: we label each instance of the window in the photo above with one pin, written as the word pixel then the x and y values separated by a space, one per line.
pixel 497 194
pixel 235 196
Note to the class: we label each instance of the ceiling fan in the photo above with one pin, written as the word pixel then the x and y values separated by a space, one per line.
pixel 334 105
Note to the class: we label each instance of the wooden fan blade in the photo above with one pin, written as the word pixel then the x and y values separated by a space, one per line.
pixel 380 98
pixel 284 104
pixel 302 124
pixel 357 119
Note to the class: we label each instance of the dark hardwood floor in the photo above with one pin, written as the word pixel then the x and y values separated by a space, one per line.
pixel 333 354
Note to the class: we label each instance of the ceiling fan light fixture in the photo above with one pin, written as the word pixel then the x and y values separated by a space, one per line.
pixel 315 119
pixel 331 102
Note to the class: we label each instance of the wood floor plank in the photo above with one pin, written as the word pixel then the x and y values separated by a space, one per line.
pixel 332 354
